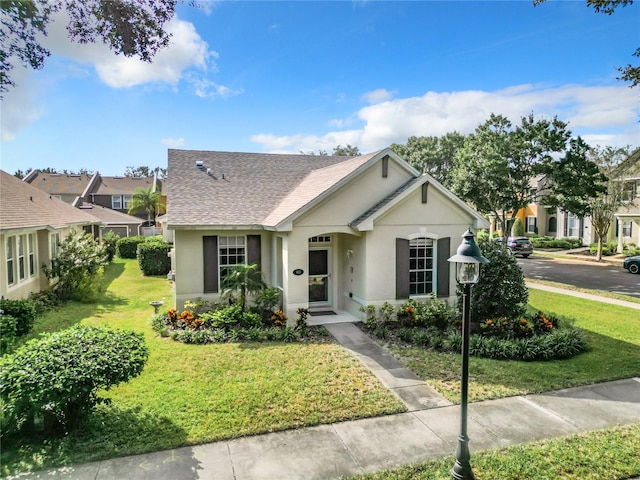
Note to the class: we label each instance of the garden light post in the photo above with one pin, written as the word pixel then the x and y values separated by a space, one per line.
pixel 467 259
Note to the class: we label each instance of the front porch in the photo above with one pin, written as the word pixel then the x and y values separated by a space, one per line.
pixel 328 317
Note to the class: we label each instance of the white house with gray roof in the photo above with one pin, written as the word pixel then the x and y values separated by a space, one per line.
pixel 332 233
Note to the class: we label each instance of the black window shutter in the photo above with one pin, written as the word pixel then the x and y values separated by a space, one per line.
pixel 444 267
pixel 210 263
pixel 402 268
pixel 254 254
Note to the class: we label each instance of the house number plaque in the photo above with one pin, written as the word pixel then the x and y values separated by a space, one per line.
pixel 298 271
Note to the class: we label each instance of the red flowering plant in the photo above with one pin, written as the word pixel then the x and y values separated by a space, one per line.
pixel 279 319
pixel 406 314
pixel 524 327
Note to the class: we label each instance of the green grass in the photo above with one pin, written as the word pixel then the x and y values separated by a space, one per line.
pixel 601 293
pixel 613 335
pixel 608 454
pixel 190 394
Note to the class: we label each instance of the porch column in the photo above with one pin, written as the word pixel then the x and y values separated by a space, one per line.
pixel 619 234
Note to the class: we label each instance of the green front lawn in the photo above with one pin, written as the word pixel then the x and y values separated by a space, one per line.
pixel 613 334
pixel 608 454
pixel 190 394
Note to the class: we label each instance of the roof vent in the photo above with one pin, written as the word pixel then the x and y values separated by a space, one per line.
pixel 199 164
pixel 209 172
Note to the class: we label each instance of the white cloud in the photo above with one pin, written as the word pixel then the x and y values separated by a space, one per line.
pixel 19 108
pixel 172 142
pixel 377 96
pixel 600 114
pixel 186 50
pixel 205 88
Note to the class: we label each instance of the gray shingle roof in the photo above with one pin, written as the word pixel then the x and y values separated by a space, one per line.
pixel 25 206
pixel 122 185
pixel 248 189
pixel 61 183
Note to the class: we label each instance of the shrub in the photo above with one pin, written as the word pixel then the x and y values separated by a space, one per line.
pixel 109 240
pixel 500 291
pixel 127 247
pixel 44 300
pixel 77 267
pixel 8 334
pixel 153 257
pixel 58 376
pixel 558 243
pixel 517 230
pixel 24 312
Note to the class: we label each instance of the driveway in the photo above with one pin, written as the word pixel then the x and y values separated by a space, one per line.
pixel 610 278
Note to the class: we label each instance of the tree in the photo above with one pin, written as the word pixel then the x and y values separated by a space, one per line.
pixel 432 155
pixel 244 279
pixel 144 171
pixel 629 73
pixel 128 28
pixel 339 151
pixel 77 267
pixel 494 167
pixel 346 151
pixel 604 206
pixel 147 200
pixel 575 181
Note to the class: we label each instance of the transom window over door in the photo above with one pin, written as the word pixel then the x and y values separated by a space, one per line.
pixel 231 252
pixel 421 266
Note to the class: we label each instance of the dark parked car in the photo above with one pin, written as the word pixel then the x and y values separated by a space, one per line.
pixel 518 245
pixel 632 264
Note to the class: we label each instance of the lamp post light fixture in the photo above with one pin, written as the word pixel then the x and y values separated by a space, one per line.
pixel 467 259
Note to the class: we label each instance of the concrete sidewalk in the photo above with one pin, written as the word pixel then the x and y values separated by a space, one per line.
pixel 329 451
pixel 428 430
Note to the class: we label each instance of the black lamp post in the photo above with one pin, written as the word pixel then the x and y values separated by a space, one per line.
pixel 467 259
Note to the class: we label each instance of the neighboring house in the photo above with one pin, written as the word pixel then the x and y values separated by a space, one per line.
pixel 116 192
pixel 62 186
pixel 119 223
pixel 110 192
pixel 626 227
pixel 32 225
pixel 332 233
pixel 536 218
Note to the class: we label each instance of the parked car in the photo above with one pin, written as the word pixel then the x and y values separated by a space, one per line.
pixel 632 264
pixel 518 245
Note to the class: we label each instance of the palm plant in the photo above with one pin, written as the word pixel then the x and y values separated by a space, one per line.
pixel 244 279
pixel 147 200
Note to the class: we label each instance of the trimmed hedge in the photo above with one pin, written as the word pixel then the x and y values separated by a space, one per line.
pixel 56 378
pixel 552 242
pixel 7 332
pixel 24 311
pixel 127 247
pixel 153 257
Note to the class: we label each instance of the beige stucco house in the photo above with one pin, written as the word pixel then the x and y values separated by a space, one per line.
pixel 332 233
pixel 32 224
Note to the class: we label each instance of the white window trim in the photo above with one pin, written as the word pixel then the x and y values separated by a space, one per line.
pixel 11 249
pixel 22 266
pixel 433 269
pixel 126 199
pixel 116 199
pixel 533 225
pixel 236 245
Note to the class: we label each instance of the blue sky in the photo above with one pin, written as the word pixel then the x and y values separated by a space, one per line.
pixel 303 76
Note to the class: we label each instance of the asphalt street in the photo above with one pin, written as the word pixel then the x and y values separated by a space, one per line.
pixel 611 278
